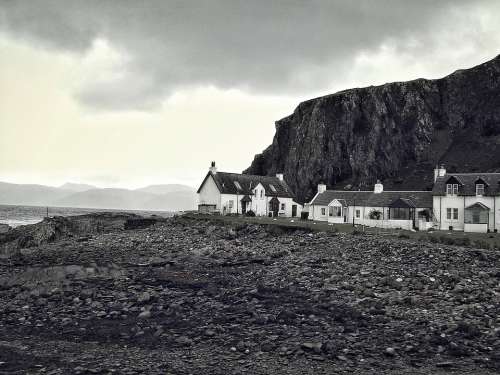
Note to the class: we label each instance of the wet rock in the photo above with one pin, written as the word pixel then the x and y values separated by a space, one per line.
pixel 314 346
pixel 144 314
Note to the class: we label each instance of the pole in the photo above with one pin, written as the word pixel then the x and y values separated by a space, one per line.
pixel 47 212
pixel 353 211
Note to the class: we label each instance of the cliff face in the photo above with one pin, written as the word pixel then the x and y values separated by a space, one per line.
pixel 396 132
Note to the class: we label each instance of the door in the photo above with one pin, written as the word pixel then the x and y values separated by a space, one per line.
pixel 294 210
pixel 243 207
pixel 274 207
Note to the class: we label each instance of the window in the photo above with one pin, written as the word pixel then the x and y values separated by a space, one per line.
pixel 231 204
pixel 323 211
pixel 238 186
pixel 476 216
pixel 451 188
pixel 452 213
pixel 358 214
pixel 400 213
pixel 255 193
pixel 272 188
pixel 335 211
pixel 479 189
pixel 261 193
pixel 282 207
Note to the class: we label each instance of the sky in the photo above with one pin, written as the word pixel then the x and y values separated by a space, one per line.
pixel 121 93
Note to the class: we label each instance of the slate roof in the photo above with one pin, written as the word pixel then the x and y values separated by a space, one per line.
pixel 467 184
pixel 226 184
pixel 477 205
pixel 420 199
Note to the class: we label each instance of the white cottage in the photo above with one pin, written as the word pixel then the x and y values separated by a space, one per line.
pixel 377 208
pixel 233 193
pixel 467 201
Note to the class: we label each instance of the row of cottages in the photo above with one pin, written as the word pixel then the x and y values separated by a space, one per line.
pixel 467 201
pixel 377 208
pixel 233 193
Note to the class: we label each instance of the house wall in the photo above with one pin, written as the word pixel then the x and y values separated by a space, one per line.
pixel 259 204
pixel 315 213
pixel 209 193
pixel 364 219
pixel 288 207
pixel 441 203
pixel 225 203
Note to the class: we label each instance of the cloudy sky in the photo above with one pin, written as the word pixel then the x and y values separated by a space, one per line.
pixel 129 93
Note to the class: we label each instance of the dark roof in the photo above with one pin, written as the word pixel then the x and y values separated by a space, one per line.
pixel 467 183
pixel 274 200
pixel 402 203
pixel 226 184
pixel 477 206
pixel 246 198
pixel 420 199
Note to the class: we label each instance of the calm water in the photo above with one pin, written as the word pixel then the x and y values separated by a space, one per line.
pixel 21 215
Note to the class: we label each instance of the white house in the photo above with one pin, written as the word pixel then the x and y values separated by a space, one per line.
pixel 377 208
pixel 467 201
pixel 233 193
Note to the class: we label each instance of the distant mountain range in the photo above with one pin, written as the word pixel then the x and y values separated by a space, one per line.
pixel 168 197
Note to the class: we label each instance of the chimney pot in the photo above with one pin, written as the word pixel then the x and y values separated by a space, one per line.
pixel 321 188
pixel 213 168
pixel 439 172
pixel 378 188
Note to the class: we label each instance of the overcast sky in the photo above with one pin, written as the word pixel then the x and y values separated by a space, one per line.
pixel 129 93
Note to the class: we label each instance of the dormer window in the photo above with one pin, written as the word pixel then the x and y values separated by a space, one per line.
pixel 452 189
pixel 238 186
pixel 479 189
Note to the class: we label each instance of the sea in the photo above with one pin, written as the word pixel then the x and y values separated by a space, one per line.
pixel 23 215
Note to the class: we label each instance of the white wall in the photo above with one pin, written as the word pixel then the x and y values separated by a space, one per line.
pixel 288 207
pixel 259 201
pixel 441 203
pixel 209 193
pixel 394 224
pixel 476 228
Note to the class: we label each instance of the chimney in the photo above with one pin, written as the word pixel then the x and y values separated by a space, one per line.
pixel 439 172
pixel 378 188
pixel 279 176
pixel 213 168
pixel 321 188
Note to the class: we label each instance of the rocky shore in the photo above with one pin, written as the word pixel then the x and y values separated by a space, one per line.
pixel 187 296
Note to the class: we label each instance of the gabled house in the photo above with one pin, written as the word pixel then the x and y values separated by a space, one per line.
pixel 233 193
pixel 467 201
pixel 377 208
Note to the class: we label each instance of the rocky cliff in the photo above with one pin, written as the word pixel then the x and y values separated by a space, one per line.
pixel 396 132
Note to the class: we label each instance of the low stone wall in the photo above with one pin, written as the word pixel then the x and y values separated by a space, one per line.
pixel 389 224
pixel 476 228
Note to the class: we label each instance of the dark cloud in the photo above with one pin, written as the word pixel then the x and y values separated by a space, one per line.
pixel 259 46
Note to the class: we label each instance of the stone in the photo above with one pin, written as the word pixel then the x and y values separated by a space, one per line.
pixel 390 352
pixel 314 346
pixel 145 315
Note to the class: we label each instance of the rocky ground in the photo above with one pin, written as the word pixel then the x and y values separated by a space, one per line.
pixel 188 296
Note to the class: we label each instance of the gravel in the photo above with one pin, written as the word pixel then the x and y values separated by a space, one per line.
pixel 189 296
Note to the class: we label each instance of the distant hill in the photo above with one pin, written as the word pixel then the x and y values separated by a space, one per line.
pixel 156 197
pixel 34 195
pixel 164 189
pixel 77 187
